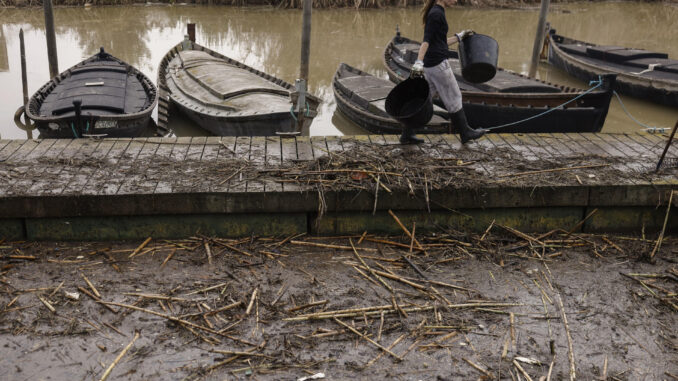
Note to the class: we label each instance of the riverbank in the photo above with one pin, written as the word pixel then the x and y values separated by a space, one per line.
pixel 463 307
pixel 292 4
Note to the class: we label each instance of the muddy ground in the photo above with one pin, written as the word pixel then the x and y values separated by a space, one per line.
pixel 476 307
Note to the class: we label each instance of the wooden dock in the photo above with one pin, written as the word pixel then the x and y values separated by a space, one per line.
pixel 174 187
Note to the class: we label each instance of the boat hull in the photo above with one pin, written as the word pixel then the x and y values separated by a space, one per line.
pixel 529 99
pixel 659 91
pixel 218 117
pixel 113 99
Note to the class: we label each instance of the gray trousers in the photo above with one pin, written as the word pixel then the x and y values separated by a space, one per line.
pixel 442 82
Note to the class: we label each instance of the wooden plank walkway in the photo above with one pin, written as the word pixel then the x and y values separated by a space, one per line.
pixel 207 175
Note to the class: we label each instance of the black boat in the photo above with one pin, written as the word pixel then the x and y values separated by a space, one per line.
pixel 511 97
pixel 100 96
pixel 640 73
pixel 362 97
pixel 227 97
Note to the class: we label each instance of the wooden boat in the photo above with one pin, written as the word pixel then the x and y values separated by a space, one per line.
pixel 101 95
pixel 227 97
pixel 640 73
pixel 362 97
pixel 510 97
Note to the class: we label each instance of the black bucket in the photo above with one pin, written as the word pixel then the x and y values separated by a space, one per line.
pixel 478 54
pixel 410 103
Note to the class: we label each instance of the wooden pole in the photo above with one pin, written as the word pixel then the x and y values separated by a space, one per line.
pixel 51 39
pixel 305 39
pixel 666 149
pixel 24 80
pixel 191 31
pixel 301 84
pixel 539 38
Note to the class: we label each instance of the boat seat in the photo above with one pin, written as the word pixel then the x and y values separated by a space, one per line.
pixel 117 68
pixel 644 63
pixel 670 68
pixel 224 80
pixel 621 55
pixel 364 89
pixel 574 49
pixel 90 102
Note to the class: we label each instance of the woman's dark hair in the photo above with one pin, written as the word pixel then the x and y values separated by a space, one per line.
pixel 427 7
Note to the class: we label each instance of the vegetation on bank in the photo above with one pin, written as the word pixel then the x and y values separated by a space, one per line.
pixel 285 3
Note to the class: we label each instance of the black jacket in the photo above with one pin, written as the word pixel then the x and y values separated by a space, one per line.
pixel 435 33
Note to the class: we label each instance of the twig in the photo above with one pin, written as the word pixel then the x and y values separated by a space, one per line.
pixel 383 282
pixel 117 359
pixel 326 246
pixel 368 339
pixel 47 304
pixel 580 223
pixel 397 220
pixel 96 299
pixel 666 219
pixel 479 368
pixel 169 256
pixel 414 267
pixel 254 296
pixel 91 286
pixel 399 339
pixel 140 247
pixel 570 350
pixel 520 368
pixel 555 170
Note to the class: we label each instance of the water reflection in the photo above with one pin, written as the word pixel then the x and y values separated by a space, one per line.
pixel 269 40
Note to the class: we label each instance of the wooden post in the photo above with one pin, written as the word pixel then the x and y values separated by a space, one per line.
pixel 51 39
pixel 666 149
pixel 302 83
pixel 539 38
pixel 305 40
pixel 24 81
pixel 191 31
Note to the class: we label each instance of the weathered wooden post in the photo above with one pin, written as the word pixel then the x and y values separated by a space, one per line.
pixel 302 83
pixel 51 39
pixel 191 31
pixel 24 81
pixel 539 38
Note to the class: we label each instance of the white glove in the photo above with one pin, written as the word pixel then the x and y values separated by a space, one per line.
pixel 463 34
pixel 417 69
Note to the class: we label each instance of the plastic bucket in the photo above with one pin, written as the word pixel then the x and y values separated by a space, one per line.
pixel 478 54
pixel 410 103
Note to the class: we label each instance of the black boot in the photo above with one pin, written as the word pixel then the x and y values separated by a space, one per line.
pixel 465 132
pixel 408 137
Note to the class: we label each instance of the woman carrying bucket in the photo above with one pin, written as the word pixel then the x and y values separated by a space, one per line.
pixel 432 63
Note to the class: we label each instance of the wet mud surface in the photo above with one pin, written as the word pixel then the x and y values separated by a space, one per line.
pixel 476 307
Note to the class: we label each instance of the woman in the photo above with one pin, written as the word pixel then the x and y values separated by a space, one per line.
pixel 432 61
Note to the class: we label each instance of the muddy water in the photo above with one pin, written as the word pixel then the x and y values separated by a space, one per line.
pixel 269 39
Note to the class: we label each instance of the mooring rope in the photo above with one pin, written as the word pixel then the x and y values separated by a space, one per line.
pixel 647 128
pixel 307 113
pixel 73 129
pixel 597 83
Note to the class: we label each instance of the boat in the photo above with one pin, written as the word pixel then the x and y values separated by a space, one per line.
pixel 511 102
pixel 100 96
pixel 643 74
pixel 227 97
pixel 361 97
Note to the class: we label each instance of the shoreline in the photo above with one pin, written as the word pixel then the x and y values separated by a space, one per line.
pixel 292 4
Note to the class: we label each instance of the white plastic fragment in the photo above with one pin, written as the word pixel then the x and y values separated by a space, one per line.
pixel 72 295
pixel 316 376
pixel 527 360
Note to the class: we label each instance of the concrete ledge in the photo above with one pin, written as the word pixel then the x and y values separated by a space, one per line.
pixel 477 220
pixel 166 226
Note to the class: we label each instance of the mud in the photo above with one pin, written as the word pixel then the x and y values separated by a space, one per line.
pixel 488 302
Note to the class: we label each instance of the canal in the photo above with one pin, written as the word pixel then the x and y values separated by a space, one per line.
pixel 269 39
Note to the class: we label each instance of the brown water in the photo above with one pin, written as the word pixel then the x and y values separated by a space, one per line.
pixel 269 39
